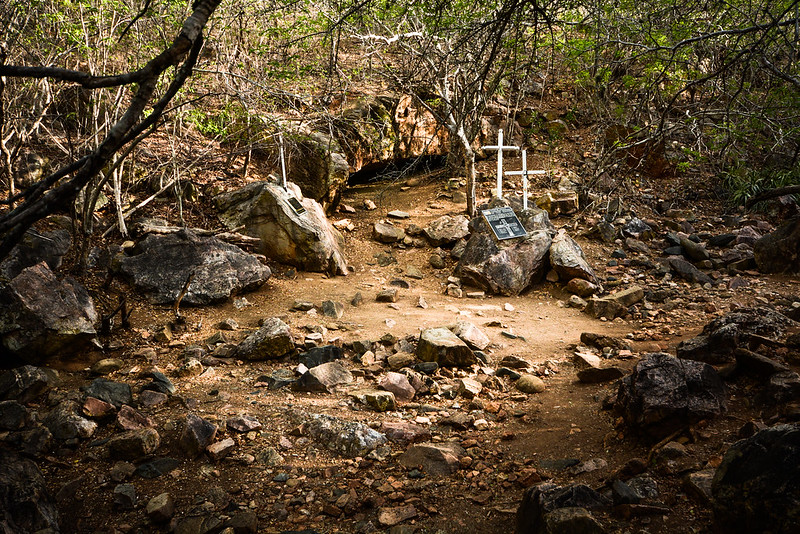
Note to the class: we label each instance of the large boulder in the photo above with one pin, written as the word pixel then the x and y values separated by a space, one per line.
pixel 34 248
pixel 510 266
pixel 162 265
pixel 757 486
pixel 306 240
pixel 718 341
pixel 568 260
pixel 25 504
pixel 779 251
pixel 664 394
pixel 42 316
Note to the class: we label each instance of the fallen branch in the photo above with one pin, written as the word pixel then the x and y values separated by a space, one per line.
pixel 772 193
pixel 233 237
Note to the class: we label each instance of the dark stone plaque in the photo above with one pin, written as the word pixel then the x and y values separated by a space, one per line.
pixel 296 206
pixel 504 223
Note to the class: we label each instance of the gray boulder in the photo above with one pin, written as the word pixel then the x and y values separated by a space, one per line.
pixel 779 251
pixel 510 266
pixel 757 486
pixel 25 504
pixel 273 340
pixel 42 316
pixel 568 260
pixel 664 393
pixel 161 266
pixel 306 240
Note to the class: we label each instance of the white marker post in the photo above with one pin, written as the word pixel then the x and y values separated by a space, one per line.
pixel 524 173
pixel 500 148
pixel 283 163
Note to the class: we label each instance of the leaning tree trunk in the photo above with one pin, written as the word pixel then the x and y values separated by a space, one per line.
pixel 46 197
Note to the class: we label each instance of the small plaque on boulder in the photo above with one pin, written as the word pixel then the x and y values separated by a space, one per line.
pixel 296 206
pixel 504 223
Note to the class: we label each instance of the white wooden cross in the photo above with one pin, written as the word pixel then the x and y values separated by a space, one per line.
pixel 524 173
pixel 283 163
pixel 500 148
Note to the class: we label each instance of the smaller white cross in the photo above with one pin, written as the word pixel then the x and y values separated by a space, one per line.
pixel 500 148
pixel 283 163
pixel 524 173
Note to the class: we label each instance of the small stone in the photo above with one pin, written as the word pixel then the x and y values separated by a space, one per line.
pixel 399 385
pixel 191 367
pixel 386 233
pixel 106 366
pixel 302 305
pixel 134 444
pixel 97 409
pixel 436 261
pixel 369 205
pixel 530 384
pixel 219 450
pixel 125 496
pixel 160 508
pixel 228 324
pixel 401 359
pixel 149 398
pixel 332 309
pixel 243 423
pixel 198 434
pixel 391 516
pixel 380 401
pixel 397 214
pixel 422 303
pixel 130 419
pixel 357 300
pixel 387 295
pixel 469 388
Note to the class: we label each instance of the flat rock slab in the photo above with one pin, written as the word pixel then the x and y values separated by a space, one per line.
pixel 437 459
pixel 446 230
pixel 42 316
pixel 161 265
pixel 470 334
pixel 442 346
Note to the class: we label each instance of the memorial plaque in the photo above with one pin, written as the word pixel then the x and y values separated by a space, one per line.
pixel 504 223
pixel 296 206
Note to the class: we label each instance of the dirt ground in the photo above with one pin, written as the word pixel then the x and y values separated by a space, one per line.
pixel 528 436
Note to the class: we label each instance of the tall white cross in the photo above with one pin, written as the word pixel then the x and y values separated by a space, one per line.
pixel 524 173
pixel 500 148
